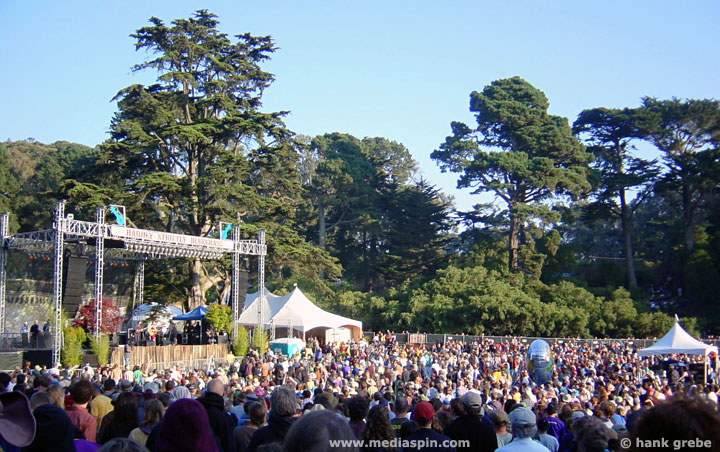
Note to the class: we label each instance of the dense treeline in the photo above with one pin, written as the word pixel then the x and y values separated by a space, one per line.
pixel 587 237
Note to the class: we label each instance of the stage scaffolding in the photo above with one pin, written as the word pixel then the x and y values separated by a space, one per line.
pixel 138 245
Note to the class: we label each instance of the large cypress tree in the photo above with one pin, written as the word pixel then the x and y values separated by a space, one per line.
pixel 195 147
pixel 517 151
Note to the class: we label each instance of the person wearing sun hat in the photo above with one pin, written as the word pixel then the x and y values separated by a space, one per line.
pixel 17 425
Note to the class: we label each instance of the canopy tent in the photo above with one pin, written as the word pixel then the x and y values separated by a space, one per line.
pixel 677 340
pixel 294 311
pixel 198 313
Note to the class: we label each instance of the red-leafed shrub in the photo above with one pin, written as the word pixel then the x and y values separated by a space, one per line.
pixel 111 317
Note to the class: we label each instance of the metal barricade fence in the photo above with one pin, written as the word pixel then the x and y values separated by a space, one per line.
pixel 190 364
pixel 435 338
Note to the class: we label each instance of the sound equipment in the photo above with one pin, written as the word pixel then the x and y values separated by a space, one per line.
pixel 242 288
pixel 74 285
pixel 39 357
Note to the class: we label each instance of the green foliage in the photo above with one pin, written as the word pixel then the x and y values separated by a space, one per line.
pixel 259 339
pixel 688 134
pixel 32 175
pixel 474 300
pixel 519 152
pixel 219 316
pixel 71 353
pixel 100 346
pixel 361 203
pixel 240 342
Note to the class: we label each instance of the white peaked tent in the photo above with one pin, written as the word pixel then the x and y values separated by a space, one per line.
pixel 295 311
pixel 677 340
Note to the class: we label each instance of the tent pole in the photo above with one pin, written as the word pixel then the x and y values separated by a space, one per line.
pixel 705 361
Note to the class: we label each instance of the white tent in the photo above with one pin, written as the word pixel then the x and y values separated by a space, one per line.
pixel 677 340
pixel 295 311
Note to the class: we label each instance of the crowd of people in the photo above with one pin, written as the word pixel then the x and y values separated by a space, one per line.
pixel 373 395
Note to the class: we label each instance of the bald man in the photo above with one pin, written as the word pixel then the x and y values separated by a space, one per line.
pixel 222 422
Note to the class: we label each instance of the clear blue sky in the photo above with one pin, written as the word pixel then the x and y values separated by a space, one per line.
pixel 398 69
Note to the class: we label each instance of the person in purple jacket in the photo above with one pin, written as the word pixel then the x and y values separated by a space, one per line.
pixel 556 427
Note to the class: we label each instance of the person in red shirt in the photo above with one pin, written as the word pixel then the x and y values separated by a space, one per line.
pixel 82 394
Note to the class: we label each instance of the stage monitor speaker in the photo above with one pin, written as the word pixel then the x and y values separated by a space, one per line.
pixel 74 285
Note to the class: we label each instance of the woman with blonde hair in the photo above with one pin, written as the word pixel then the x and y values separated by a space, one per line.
pixel 152 415
pixel 57 395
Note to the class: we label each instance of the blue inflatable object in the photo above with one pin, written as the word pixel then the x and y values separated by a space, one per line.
pixel 539 361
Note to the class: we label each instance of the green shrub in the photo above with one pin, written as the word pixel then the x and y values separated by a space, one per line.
pixel 259 340
pixel 72 345
pixel 240 342
pixel 100 346
pixel 219 316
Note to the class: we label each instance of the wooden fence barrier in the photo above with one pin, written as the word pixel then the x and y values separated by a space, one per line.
pixel 160 357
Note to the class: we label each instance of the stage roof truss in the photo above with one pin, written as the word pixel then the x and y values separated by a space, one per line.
pixel 140 244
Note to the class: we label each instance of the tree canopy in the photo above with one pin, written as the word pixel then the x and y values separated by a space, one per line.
pixel 518 151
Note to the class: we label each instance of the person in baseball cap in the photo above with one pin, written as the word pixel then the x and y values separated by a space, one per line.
pixel 524 427
pixel 17 424
pixel 471 428
pixel 423 414
pixel 151 388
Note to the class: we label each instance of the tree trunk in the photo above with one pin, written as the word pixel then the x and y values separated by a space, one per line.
pixel 322 233
pixel 688 223
pixel 627 238
pixel 513 241
pixel 196 297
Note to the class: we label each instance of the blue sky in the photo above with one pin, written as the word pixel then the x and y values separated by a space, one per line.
pixel 398 69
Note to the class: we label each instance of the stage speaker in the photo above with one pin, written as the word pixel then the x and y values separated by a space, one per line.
pixel 74 285
pixel 39 357
pixel 242 287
